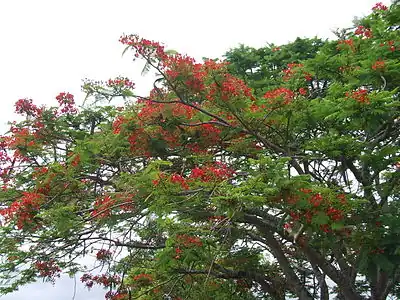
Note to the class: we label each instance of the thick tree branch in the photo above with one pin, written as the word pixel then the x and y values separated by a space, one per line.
pixel 294 282
pixel 343 281
pixel 224 273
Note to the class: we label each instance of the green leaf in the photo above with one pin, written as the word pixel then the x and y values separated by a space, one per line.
pixel 320 218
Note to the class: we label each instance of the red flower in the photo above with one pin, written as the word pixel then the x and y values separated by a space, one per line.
pixel 216 172
pixel 391 46
pixel 188 241
pixel 290 70
pixel 363 31
pixel 48 269
pixel 229 89
pixel 178 252
pixel 76 160
pixel 176 178
pixel 278 93
pixel 325 228
pixel 26 106
pixel 360 95
pixel 143 47
pixel 24 209
pixel 316 200
pixel 342 199
pixel 334 214
pixel 103 207
pixel 117 124
pixel 120 82
pixel 197 173
pixel 378 65
pixel 287 226
pixel 309 215
pixel 106 280
pixel 379 6
pixel 143 278
pixel 303 91
pixel 67 103
pixel 103 255
pixel 349 44
pixel 295 216
pixel 307 76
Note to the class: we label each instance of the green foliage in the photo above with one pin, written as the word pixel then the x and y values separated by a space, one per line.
pixel 258 179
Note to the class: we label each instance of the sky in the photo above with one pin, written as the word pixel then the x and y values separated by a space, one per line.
pixel 48 47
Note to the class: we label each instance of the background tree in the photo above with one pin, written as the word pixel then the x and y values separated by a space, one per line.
pixel 275 175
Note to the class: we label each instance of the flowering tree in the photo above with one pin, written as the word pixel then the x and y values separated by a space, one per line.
pixel 272 174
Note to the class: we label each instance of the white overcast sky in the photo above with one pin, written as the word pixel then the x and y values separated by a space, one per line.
pixel 47 47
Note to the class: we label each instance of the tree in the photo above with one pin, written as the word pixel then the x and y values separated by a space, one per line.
pixel 221 184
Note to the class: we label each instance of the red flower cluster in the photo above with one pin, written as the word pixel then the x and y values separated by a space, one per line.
pixel 186 241
pixel 139 141
pixel 303 91
pixel 104 206
pixel 39 171
pixel 325 228
pixel 346 44
pixel 360 95
pixel 178 252
pixel 120 82
pixel 106 280
pixel 67 103
pixel 5 167
pixel 144 278
pixel 307 76
pixel 154 113
pixel 178 65
pixel 319 204
pixel 316 200
pixel 363 31
pixel 43 180
pixel 176 178
pixel 378 65
pixel 76 160
pixel 342 199
pixel 216 172
pixel 26 106
pixel 182 110
pixel 210 133
pixel 334 214
pixel 112 295
pixel 229 89
pixel 126 201
pixel 203 137
pixel 280 93
pixel 214 65
pixel 390 44
pixel 24 209
pixel 20 137
pixel 143 47
pixel 117 124
pixel 290 70
pixel 48 269
pixel 379 7
pixel 104 255
pixel 287 226
pixel 377 251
